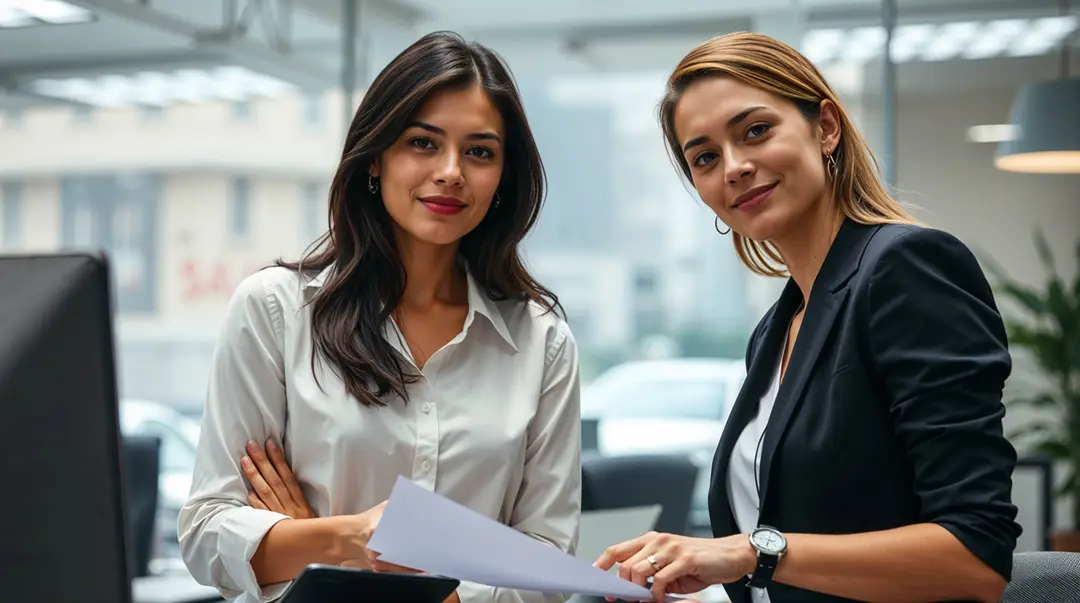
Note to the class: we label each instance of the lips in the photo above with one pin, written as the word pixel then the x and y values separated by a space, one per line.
pixel 753 196
pixel 442 204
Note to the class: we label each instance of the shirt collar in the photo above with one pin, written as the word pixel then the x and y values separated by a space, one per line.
pixel 479 303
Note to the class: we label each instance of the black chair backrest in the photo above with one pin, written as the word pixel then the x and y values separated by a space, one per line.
pixel 615 482
pixel 1044 577
pixel 141 462
pixel 590 434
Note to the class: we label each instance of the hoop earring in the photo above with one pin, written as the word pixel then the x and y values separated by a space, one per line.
pixel 497 200
pixel 373 184
pixel 830 166
pixel 716 225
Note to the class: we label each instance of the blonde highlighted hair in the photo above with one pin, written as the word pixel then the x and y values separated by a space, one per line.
pixel 772 66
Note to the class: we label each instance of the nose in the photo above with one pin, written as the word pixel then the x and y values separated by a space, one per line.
pixel 737 167
pixel 449 171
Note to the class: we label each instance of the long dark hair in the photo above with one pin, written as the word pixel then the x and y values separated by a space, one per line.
pixel 367 278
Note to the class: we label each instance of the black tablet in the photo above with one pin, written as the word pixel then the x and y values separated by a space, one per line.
pixel 334 584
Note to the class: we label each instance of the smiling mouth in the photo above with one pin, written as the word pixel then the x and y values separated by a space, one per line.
pixel 753 196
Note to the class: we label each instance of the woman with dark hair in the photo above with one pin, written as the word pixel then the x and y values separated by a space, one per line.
pixel 411 341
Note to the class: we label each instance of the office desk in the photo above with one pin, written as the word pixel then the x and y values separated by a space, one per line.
pixel 172 588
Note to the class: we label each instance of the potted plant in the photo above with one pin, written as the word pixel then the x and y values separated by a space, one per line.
pixel 1050 331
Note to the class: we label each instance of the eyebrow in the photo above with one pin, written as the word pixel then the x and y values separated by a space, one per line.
pixel 441 132
pixel 738 117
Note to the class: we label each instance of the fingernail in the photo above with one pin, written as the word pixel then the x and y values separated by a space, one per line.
pixel 251 445
pixel 245 463
pixel 271 445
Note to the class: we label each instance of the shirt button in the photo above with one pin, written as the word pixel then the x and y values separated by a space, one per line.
pixel 426 407
pixel 425 466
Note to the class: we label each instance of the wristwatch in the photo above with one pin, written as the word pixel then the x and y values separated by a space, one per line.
pixel 770 545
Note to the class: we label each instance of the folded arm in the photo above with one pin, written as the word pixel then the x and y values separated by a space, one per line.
pixel 939 349
pixel 225 542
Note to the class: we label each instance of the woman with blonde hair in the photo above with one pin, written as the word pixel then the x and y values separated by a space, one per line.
pixel 864 458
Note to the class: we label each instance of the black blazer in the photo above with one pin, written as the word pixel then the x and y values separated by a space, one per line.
pixel 890 411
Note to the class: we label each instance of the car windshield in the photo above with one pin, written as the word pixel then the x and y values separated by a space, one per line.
pixel 662 398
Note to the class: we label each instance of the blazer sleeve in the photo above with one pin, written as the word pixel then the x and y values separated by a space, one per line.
pixel 940 350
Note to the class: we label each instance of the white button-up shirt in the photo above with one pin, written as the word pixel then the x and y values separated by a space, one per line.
pixel 494 425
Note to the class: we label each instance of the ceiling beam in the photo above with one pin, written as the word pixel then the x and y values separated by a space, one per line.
pixel 242 52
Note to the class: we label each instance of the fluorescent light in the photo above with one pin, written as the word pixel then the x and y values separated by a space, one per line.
pixel 949 40
pixel 993 133
pixel 938 42
pixel 1043 36
pixel 25 13
pixel 909 40
pixel 160 89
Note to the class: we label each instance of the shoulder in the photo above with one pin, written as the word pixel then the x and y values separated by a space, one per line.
pixel 531 324
pixel 273 290
pixel 901 243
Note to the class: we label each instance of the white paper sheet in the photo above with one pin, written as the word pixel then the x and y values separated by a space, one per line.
pixel 424 531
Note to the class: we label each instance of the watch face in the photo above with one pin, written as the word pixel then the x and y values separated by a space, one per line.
pixel 769 541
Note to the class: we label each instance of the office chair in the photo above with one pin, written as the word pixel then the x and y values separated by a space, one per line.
pixel 141 462
pixel 1044 577
pixel 615 482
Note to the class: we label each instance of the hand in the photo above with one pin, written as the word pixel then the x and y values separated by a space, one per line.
pixel 364 528
pixel 686 565
pixel 275 486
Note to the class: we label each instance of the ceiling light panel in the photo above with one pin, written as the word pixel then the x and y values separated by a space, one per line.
pixel 940 41
pixel 28 13
pixel 160 89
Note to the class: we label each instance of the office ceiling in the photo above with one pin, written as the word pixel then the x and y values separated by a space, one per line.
pixel 117 52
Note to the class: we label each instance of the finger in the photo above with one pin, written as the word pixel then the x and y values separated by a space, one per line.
pixel 384 566
pixel 277 459
pixel 254 502
pixel 266 469
pixel 262 489
pixel 617 553
pixel 666 576
pixel 638 568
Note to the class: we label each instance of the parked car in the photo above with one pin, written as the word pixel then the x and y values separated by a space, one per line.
pixel 671 406
pixel 179 436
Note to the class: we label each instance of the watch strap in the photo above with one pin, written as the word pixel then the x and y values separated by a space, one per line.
pixel 766 565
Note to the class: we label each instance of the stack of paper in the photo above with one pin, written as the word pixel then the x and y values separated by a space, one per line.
pixel 424 531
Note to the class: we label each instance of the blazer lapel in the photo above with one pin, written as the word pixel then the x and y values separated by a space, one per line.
pixel 746 404
pixel 827 297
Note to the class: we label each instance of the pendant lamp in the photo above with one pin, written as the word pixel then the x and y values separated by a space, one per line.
pixel 1047 120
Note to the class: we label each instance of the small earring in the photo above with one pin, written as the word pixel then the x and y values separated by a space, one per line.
pixel 497 200
pixel 830 166
pixel 373 184
pixel 716 225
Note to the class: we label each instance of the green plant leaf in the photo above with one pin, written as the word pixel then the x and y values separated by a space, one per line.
pixel 1049 348
pixel 1059 306
pixel 1043 400
pixel 1026 297
pixel 1033 428
pixel 1045 255
pixel 1070 485
pixel 1054 449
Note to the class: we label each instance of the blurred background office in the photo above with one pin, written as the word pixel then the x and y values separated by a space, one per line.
pixel 194 140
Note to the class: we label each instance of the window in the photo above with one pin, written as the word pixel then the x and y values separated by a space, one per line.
pixel 11 218
pixel 241 110
pixel 240 208
pixel 312 211
pixel 313 108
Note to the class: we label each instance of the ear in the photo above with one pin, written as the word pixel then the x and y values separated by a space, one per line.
pixel 829 126
pixel 373 169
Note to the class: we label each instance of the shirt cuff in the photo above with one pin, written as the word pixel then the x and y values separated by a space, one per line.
pixel 241 532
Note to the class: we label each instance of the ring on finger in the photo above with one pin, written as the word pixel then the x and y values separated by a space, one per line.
pixel 653 562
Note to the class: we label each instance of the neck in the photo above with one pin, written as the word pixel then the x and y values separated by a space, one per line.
pixel 431 274
pixel 804 250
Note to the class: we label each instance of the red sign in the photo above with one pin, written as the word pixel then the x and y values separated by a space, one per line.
pixel 214 279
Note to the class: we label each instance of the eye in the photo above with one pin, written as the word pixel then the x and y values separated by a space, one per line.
pixel 422 142
pixel 481 152
pixel 757 130
pixel 704 158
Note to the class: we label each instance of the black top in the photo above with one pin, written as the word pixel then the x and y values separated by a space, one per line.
pixel 890 410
